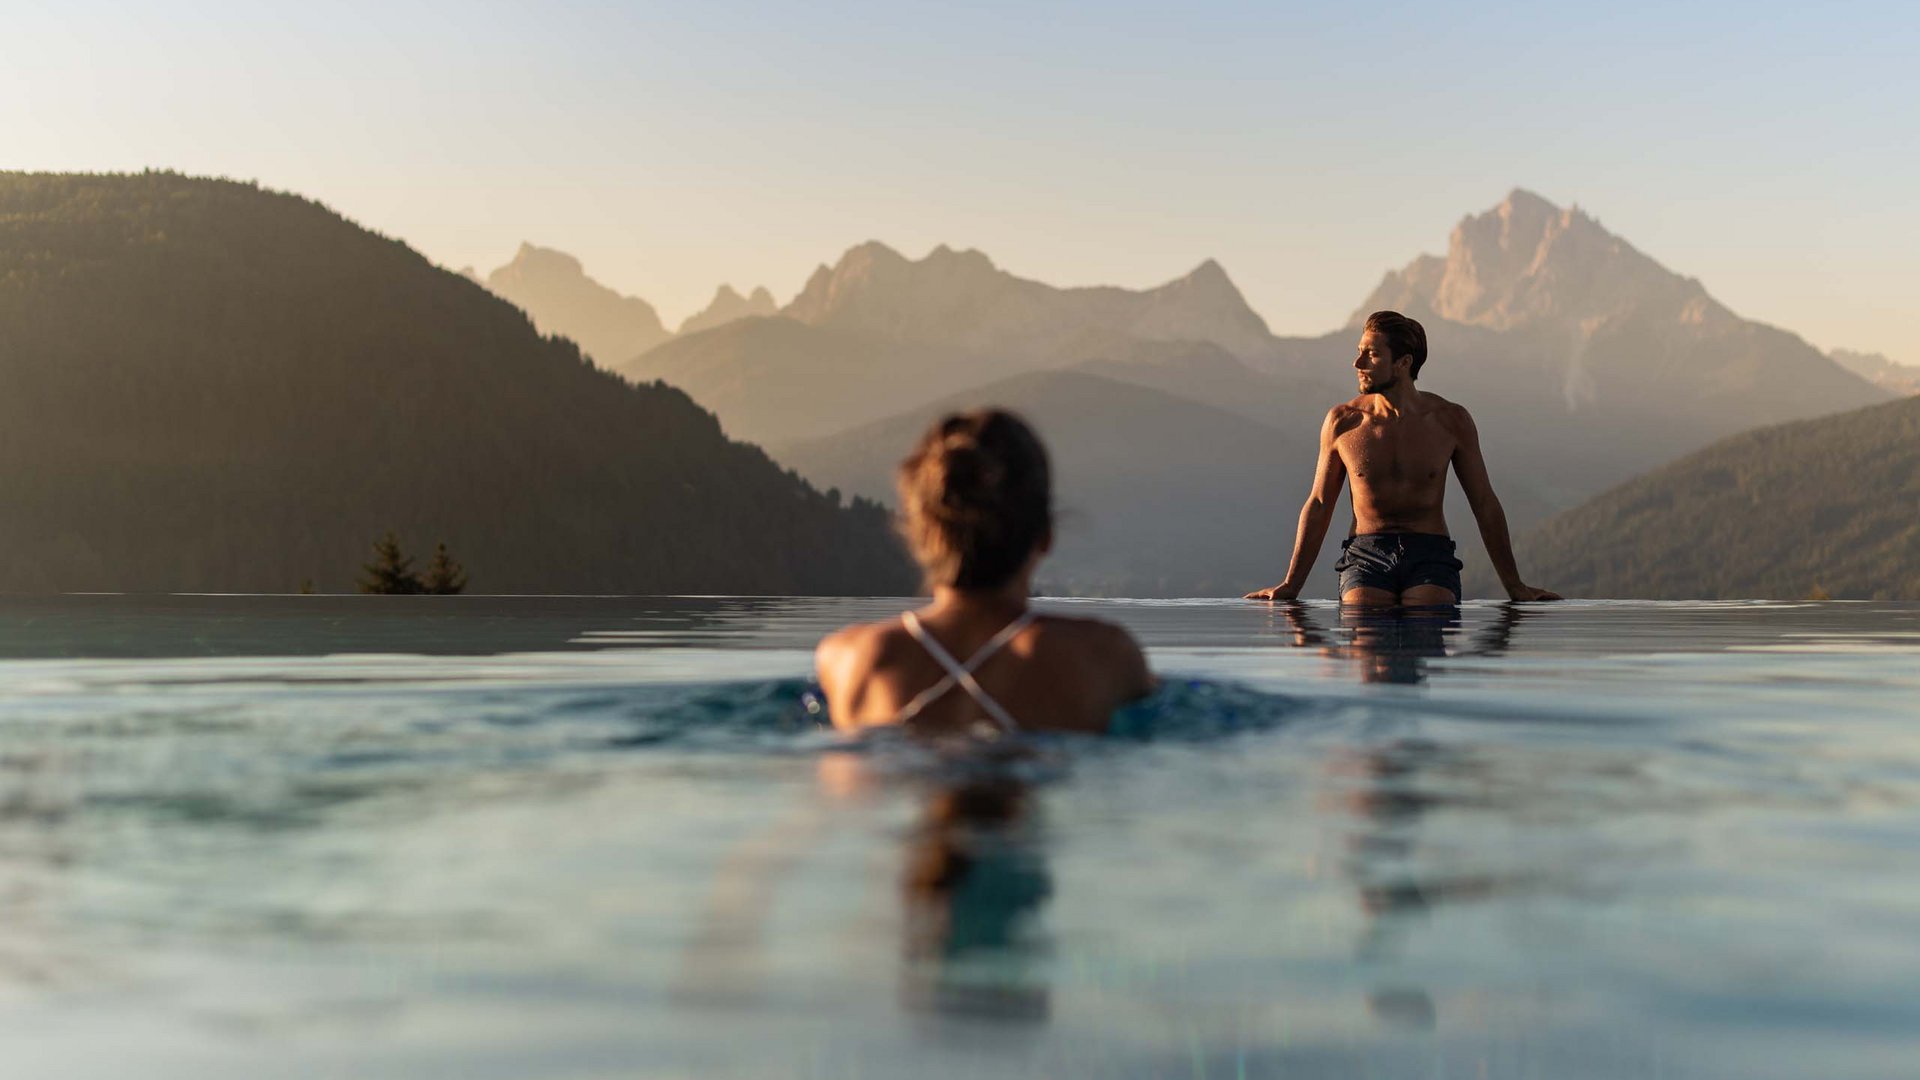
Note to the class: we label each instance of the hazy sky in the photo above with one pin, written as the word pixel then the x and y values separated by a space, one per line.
pixel 1765 148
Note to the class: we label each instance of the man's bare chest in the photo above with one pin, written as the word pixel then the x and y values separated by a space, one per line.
pixel 1397 451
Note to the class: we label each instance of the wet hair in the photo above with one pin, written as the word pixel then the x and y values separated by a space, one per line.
pixel 1404 336
pixel 976 499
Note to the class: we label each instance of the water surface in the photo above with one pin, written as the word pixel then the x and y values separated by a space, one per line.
pixel 574 837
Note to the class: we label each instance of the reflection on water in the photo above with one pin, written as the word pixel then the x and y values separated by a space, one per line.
pixel 975 883
pixel 1392 645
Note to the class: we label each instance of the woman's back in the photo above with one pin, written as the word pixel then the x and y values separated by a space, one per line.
pixel 1052 674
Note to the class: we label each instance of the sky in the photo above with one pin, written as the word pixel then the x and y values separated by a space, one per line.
pixel 1767 149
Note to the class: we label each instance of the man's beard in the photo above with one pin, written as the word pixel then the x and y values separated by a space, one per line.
pixel 1372 387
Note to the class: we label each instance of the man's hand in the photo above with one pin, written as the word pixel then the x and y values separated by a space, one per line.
pixel 1282 591
pixel 1524 591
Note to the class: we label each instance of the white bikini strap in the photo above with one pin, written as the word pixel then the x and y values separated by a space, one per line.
pixel 962 673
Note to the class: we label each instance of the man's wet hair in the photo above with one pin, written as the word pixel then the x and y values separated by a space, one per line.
pixel 976 498
pixel 1404 336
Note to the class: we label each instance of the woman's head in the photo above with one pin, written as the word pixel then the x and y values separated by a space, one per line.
pixel 976 499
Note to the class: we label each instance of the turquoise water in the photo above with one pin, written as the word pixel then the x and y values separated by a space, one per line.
pixel 581 837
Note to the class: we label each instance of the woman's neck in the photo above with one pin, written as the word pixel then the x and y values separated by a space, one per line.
pixel 1009 599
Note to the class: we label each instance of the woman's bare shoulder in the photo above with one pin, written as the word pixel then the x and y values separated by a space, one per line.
pixel 1107 644
pixel 861 642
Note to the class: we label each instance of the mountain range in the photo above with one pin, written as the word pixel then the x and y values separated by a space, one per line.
pixel 554 290
pixel 215 387
pixel 1584 360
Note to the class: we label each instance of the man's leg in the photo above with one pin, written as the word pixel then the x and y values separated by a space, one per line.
pixel 1429 596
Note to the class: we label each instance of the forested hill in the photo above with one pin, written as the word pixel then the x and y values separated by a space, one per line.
pixel 1818 507
pixel 208 386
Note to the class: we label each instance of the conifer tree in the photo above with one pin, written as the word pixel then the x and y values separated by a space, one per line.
pixel 444 576
pixel 391 572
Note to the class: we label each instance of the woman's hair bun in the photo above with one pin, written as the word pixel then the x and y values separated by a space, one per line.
pixel 976 498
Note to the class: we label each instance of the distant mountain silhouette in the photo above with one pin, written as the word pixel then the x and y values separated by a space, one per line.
pixel 1527 262
pixel 1206 373
pixel 774 380
pixel 214 387
pixel 552 287
pixel 878 334
pixel 1828 506
pixel 726 306
pixel 960 299
pixel 1902 379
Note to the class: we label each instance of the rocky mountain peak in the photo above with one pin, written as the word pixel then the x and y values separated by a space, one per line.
pixel 1527 261
pixel 554 289
pixel 726 306
pixel 960 298
pixel 532 261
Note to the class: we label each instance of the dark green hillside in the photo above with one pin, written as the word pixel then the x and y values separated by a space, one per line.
pixel 207 386
pixel 1831 504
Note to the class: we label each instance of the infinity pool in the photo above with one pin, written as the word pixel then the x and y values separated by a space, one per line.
pixel 584 837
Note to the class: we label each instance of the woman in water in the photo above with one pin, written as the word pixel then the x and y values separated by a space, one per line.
pixel 976 508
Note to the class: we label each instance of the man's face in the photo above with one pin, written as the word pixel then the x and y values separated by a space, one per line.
pixel 1375 364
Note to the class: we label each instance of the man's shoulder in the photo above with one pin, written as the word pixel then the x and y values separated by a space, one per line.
pixel 1448 412
pixel 1346 414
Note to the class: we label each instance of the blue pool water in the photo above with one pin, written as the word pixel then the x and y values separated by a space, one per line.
pixel 581 837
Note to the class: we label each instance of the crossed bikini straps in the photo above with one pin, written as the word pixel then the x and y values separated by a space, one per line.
pixel 962 674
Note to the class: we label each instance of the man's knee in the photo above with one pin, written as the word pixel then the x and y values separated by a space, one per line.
pixel 1368 597
pixel 1428 596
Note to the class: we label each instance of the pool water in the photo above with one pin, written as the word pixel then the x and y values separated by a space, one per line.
pixel 579 837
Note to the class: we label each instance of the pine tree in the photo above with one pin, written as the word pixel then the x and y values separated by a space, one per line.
pixel 391 573
pixel 444 577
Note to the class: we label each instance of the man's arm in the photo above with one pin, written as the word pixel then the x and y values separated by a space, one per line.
pixel 1328 477
pixel 1471 467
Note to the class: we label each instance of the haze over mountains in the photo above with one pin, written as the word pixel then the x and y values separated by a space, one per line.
pixel 1157 495
pixel 1903 379
pixel 215 387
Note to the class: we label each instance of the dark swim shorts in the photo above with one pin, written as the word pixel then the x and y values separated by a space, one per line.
pixel 1397 562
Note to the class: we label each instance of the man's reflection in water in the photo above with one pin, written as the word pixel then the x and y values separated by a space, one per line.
pixel 1385 785
pixel 1393 645
pixel 974 884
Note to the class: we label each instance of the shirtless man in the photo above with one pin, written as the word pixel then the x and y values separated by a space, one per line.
pixel 1397 442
